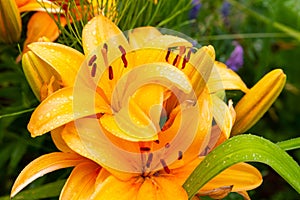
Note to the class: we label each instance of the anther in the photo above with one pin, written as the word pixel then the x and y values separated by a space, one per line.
pixel 180 155
pixel 175 60
pixel 168 54
pixel 93 71
pixel 92 60
pixel 145 149
pixel 123 57
pixel 165 166
pixel 110 73
pixel 149 160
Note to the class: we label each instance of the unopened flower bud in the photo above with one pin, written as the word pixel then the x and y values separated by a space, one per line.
pixel 258 100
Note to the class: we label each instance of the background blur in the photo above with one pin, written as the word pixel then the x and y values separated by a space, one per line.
pixel 263 33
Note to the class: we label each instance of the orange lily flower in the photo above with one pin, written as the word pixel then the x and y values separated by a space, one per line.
pixel 127 106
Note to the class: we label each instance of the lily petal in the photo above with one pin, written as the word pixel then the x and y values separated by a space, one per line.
pixel 58 109
pixel 41 24
pixel 89 144
pixel 160 188
pixel 200 70
pixel 139 36
pixel 223 78
pixel 38 5
pixel 166 41
pixel 57 139
pixel 99 30
pixel 258 100
pixel 81 182
pixel 43 165
pixel 113 188
pixel 65 60
pixel 241 176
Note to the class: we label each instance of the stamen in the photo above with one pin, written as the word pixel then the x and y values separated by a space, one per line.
pixel 165 166
pixel 110 73
pixel 149 160
pixel 92 60
pixel 180 155
pixel 93 71
pixel 123 56
pixel 156 141
pixel 168 54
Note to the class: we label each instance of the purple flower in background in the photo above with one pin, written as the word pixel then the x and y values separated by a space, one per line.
pixel 236 59
pixel 195 9
pixel 225 10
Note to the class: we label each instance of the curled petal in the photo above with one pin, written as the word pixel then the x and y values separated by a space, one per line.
pixel 223 78
pixel 58 109
pixel 258 100
pixel 200 71
pixel 57 139
pixel 81 182
pixel 65 60
pixel 43 165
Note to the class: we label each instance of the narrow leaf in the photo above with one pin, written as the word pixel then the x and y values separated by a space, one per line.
pixel 244 148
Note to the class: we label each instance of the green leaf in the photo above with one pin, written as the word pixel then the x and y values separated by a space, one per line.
pixel 45 191
pixel 290 144
pixel 244 148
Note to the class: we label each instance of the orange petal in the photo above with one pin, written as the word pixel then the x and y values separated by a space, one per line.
pixel 139 36
pixel 34 5
pixel 99 30
pixel 162 188
pixel 198 132
pixel 223 78
pixel 56 136
pixel 41 24
pixel 113 188
pixel 81 182
pixel 89 144
pixel 43 165
pixel 58 109
pixel 65 60
pixel 200 70
pixel 241 176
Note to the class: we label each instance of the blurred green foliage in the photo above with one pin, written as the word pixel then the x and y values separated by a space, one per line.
pixel 266 46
